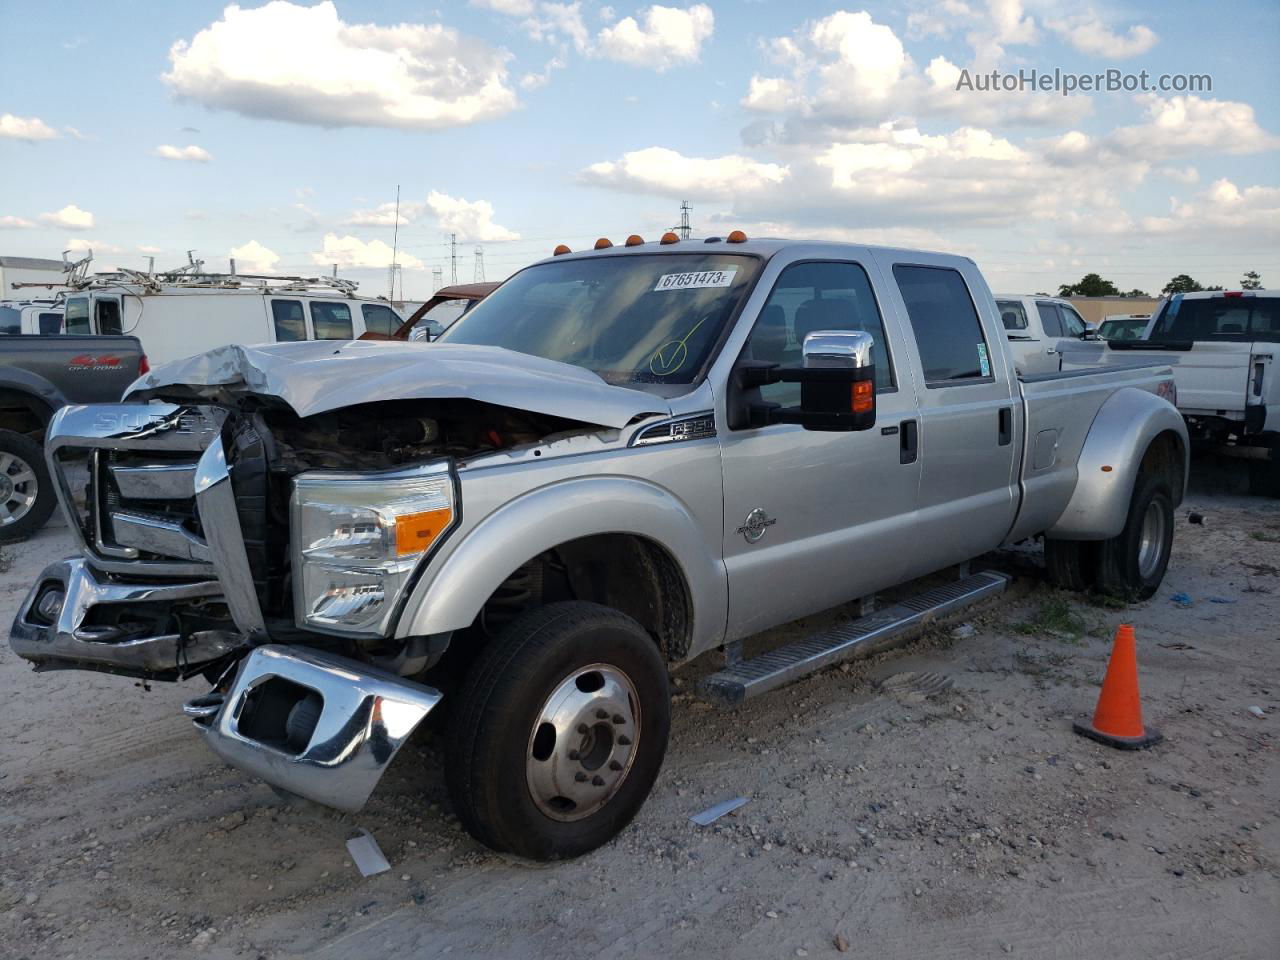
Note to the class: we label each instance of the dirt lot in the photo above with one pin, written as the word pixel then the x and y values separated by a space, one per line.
pixel 948 812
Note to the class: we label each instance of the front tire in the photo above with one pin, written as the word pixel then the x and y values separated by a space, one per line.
pixel 1133 563
pixel 558 732
pixel 26 492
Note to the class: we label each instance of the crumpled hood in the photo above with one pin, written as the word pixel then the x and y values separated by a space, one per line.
pixel 321 375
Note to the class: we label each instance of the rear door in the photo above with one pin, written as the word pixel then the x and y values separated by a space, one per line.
pixel 970 411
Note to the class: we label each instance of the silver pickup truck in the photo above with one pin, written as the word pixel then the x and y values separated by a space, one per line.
pixel 620 461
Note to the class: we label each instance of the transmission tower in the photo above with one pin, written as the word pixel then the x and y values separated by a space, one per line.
pixel 453 257
pixel 685 230
pixel 479 271
pixel 437 278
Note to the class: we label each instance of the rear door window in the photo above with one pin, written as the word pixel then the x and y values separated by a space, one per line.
pixel 290 325
pixel 77 316
pixel 1049 318
pixel 1013 315
pixel 49 323
pixel 331 321
pixel 945 323
pixel 107 314
pixel 379 319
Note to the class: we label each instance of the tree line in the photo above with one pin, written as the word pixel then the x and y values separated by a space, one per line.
pixel 1093 285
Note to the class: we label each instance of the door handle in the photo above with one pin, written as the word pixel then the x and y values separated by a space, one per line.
pixel 1006 426
pixel 908 442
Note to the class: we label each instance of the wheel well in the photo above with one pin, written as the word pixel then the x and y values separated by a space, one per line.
pixel 22 413
pixel 1165 457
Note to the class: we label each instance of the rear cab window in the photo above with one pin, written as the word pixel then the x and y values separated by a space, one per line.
pixel 287 319
pixel 49 323
pixel 812 296
pixel 331 321
pixel 1240 318
pixel 953 349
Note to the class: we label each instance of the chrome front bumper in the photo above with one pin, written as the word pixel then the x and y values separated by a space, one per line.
pixel 73 641
pixel 321 726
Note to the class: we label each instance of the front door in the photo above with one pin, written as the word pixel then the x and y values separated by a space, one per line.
pixel 813 519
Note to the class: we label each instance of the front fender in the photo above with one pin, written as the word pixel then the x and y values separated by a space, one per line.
pixel 452 596
pixel 1126 424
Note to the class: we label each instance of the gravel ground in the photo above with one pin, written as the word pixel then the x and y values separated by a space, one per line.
pixel 929 802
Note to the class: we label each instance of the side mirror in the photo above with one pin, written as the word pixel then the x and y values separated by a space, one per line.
pixel 837 383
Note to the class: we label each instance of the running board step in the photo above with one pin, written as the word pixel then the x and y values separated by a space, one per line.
pixel 858 638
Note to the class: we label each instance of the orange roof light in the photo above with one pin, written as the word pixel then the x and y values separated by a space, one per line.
pixel 669 237
pixel 604 243
pixel 561 248
pixel 635 240
pixel 737 237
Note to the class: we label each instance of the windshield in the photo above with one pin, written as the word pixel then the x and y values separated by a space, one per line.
pixel 644 319
pixel 1219 318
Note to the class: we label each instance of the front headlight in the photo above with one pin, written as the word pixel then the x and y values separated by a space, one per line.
pixel 357 538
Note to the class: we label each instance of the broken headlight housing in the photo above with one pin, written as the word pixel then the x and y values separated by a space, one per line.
pixel 357 538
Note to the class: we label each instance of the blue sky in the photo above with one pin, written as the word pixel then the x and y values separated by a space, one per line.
pixel 279 131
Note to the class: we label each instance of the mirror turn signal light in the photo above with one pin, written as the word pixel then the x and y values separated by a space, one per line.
pixel 635 240
pixel 560 249
pixel 669 237
pixel 604 243
pixel 737 236
pixel 415 532
pixel 863 396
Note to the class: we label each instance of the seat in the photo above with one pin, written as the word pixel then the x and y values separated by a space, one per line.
pixel 813 315
pixel 1009 319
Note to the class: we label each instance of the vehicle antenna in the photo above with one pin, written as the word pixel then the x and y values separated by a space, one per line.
pixel 395 243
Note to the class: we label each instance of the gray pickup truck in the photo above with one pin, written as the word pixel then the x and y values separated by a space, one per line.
pixel 38 375
pixel 620 461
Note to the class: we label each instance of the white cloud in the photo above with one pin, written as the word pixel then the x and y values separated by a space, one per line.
pixel 1190 123
pixel 302 64
pixel 512 8
pixel 1250 215
pixel 15 223
pixel 939 20
pixel 190 153
pixel 534 81
pixel 81 245
pixel 663 171
pixel 144 248
pixel 471 220
pixel 1186 175
pixel 25 128
pixel 383 215
pixel 354 253
pixel 669 37
pixel 74 133
pixel 769 94
pixel 1090 35
pixel 253 257
pixel 69 217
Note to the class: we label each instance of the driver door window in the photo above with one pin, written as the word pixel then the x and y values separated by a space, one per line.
pixel 808 297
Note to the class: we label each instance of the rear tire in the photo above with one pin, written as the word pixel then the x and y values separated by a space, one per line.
pixel 26 492
pixel 1133 563
pixel 559 731
pixel 1071 564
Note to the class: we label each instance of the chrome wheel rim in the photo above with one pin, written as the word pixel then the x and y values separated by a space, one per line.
pixel 583 742
pixel 1151 541
pixel 19 489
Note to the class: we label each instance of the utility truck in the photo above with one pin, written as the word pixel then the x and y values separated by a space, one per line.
pixel 618 462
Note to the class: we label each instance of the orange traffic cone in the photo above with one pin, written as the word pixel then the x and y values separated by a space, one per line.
pixel 1118 720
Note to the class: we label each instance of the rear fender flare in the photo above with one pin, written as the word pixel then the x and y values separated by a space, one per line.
pixel 1125 426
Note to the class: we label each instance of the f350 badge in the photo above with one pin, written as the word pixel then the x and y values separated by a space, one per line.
pixel 758 522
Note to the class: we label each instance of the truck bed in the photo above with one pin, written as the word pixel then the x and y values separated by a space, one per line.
pixel 1212 376
pixel 62 369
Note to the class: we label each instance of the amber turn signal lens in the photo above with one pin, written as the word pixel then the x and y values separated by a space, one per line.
pixel 415 532
pixel 669 237
pixel 737 236
pixel 560 249
pixel 603 243
pixel 863 395
pixel 635 240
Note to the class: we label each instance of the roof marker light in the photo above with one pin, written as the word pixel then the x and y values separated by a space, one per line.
pixel 635 240
pixel 560 249
pixel 669 237
pixel 737 236
pixel 604 243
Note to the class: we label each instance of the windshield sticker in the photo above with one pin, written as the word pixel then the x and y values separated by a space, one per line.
pixel 670 357
pixel 698 280
pixel 983 362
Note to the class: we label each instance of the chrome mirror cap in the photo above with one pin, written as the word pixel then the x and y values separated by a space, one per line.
pixel 838 348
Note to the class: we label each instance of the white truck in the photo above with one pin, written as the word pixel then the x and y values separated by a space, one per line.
pixel 1222 346
pixel 1036 327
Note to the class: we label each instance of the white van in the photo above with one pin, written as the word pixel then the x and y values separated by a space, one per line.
pixel 180 314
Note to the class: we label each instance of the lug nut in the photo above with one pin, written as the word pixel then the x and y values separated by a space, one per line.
pixel 597 781
pixel 625 741
pixel 583 728
pixel 614 765
pixel 580 777
pixel 601 714
pixel 573 754
pixel 619 718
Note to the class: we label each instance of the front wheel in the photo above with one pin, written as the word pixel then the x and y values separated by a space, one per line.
pixel 559 731
pixel 26 492
pixel 1133 563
